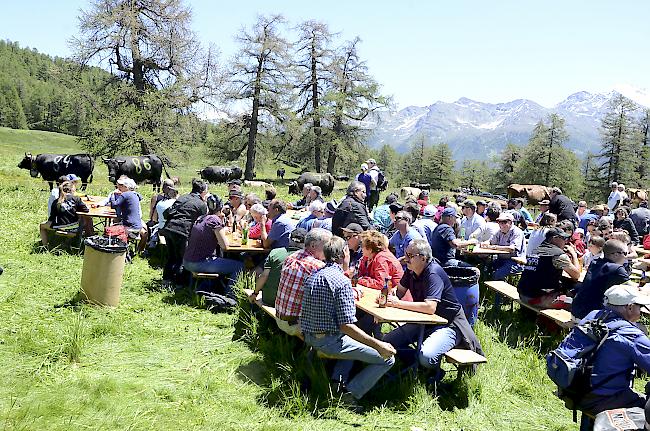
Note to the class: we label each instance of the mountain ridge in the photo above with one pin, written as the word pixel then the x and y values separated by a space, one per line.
pixel 478 130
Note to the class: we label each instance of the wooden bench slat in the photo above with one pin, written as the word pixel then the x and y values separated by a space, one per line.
pixel 266 308
pixel 561 317
pixel 464 357
pixel 504 288
pixel 205 275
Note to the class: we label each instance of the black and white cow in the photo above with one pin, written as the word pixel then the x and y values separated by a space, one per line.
pixel 323 180
pixel 139 168
pixel 51 166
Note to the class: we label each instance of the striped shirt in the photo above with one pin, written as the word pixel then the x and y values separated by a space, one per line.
pixel 295 271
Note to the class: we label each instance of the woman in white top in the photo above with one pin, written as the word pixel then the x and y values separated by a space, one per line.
pixel 537 236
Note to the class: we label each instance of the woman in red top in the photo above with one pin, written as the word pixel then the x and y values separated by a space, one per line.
pixel 377 262
pixel 257 211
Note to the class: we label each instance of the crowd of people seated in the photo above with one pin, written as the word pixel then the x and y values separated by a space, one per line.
pixel 317 266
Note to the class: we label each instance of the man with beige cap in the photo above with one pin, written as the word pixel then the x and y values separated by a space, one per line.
pixel 625 348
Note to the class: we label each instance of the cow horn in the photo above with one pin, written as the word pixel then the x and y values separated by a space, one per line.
pixel 198 171
pixel 104 159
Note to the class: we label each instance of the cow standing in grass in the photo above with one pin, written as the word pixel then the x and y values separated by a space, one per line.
pixel 53 166
pixel 139 168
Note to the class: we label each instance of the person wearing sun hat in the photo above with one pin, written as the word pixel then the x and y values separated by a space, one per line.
pixel 625 348
pixel 444 242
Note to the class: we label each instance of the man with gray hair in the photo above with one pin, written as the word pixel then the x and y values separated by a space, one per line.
pixel 614 198
pixel 316 209
pixel 352 209
pixel 328 320
pixel 295 270
pixel 432 293
pixel 601 275
pixel 304 200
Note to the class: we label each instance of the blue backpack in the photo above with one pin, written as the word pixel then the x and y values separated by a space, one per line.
pixel 570 365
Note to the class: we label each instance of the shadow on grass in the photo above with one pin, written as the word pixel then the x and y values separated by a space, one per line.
pixel 518 325
pixel 255 371
pixel 58 246
pixel 73 303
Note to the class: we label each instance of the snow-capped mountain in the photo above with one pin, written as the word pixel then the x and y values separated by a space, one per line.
pixel 476 130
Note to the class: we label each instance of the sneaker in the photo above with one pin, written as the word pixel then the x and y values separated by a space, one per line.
pixel 348 401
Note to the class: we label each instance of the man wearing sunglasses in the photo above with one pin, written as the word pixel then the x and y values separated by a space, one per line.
pixel 432 293
pixel 351 236
pixel 404 235
pixel 601 275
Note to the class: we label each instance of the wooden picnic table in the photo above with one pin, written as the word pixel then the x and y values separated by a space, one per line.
pixel 640 250
pixel 106 212
pixel 368 303
pixel 235 245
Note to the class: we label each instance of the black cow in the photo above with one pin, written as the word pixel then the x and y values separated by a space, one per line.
pixel 139 168
pixel 280 173
pixel 220 174
pixel 324 181
pixel 52 166
pixel 342 178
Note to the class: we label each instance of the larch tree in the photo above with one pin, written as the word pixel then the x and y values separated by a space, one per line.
pixel 258 77
pixel 353 97
pixel 619 149
pixel 314 58
pixel 161 69
pixel 643 168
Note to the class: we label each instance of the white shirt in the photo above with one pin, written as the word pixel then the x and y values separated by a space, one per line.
pixel 471 224
pixel 54 195
pixel 536 238
pixel 374 177
pixel 485 232
pixel 613 199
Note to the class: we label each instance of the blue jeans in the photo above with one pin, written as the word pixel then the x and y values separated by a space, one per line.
pixel 217 265
pixel 348 350
pixel 504 267
pixel 437 341
pixel 456 262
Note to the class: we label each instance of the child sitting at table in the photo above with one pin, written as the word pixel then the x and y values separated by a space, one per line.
pixel 594 251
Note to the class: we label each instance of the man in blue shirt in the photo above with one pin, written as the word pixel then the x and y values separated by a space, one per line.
pixel 624 348
pixel 432 293
pixel 327 320
pixel 426 223
pixel 281 227
pixel 404 235
pixel 594 215
pixel 601 275
pixel 444 242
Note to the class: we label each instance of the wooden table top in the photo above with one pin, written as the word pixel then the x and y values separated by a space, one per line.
pixel 640 250
pixel 103 212
pixel 253 246
pixel 368 303
pixel 478 251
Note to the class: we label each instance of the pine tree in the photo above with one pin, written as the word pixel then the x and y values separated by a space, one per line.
pixel 506 164
pixel 643 169
pixel 439 167
pixel 546 161
pixel 619 147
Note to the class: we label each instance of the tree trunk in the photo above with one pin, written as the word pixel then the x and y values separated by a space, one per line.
pixel 331 156
pixel 249 172
pixel 318 144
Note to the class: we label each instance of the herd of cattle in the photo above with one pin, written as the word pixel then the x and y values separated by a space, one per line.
pixel 148 169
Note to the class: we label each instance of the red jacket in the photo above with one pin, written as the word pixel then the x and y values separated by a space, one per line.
pixel 384 265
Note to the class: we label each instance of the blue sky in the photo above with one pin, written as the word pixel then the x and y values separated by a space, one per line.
pixel 424 51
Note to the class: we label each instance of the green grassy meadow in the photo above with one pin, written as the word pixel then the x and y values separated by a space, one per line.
pixel 161 361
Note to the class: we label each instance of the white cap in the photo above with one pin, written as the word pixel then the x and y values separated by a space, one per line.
pixel 364 166
pixel 623 294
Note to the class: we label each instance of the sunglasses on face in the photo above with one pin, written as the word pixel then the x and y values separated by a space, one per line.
pixel 400 218
pixel 411 255
pixel 503 221
pixel 347 237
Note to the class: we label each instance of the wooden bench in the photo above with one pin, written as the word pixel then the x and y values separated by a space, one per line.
pixel 561 317
pixel 463 359
pixel 196 276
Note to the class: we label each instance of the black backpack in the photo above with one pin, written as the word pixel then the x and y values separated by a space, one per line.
pixel 570 365
pixel 382 184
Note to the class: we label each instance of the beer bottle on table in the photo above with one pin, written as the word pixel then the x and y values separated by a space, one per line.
pixel 383 296
pixel 355 275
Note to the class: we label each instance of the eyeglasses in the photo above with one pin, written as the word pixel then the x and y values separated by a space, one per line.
pixel 401 218
pixel 503 221
pixel 347 237
pixel 622 253
pixel 411 256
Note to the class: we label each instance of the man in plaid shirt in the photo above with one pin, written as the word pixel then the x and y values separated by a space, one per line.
pixel 295 270
pixel 328 323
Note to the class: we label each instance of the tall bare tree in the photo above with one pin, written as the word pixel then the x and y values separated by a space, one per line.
pixel 150 47
pixel 258 76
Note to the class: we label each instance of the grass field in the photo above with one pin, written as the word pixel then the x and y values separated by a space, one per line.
pixel 159 361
